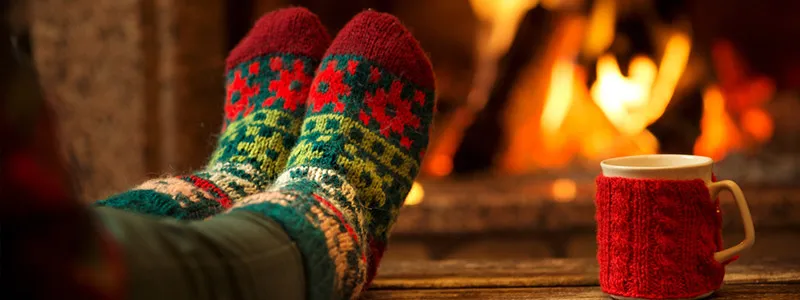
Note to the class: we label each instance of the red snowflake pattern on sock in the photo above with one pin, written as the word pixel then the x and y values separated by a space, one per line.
pixel 403 116
pixel 254 68
pixel 239 85
pixel 327 88
pixel 374 74
pixel 352 66
pixel 291 86
pixel 236 85
pixel 276 64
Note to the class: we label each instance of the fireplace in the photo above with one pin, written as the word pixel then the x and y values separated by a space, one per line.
pixel 531 96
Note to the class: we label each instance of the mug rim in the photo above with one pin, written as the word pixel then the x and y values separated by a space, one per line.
pixel 698 161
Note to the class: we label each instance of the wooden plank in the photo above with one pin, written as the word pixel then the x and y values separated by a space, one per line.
pixel 728 292
pixel 450 274
pixel 545 273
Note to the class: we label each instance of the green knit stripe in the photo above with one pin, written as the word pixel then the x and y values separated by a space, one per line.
pixel 151 202
pixel 367 142
pixel 261 140
pixel 334 259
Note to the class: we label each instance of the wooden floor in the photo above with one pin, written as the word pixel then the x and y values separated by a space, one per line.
pixel 557 279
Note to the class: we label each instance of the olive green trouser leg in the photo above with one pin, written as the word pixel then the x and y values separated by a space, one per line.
pixel 233 256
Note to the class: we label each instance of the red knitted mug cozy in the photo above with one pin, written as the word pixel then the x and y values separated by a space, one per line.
pixel 657 238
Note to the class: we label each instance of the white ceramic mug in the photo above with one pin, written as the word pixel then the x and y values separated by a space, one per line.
pixel 684 167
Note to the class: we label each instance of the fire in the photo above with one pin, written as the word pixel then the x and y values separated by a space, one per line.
pixel 719 133
pixel 611 117
pixel 739 96
pixel 635 102
pixel 500 19
pixel 554 119
pixel 623 99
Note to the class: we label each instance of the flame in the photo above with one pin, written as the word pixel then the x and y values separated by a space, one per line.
pixel 611 117
pixel 718 131
pixel 415 195
pixel 555 119
pixel 733 114
pixel 758 124
pixel 560 96
pixel 601 22
pixel 500 19
pixel 621 97
pixel 634 102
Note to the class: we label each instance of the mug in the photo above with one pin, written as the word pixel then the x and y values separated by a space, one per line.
pixel 659 229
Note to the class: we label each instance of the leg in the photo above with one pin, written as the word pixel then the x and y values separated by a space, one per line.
pixel 234 256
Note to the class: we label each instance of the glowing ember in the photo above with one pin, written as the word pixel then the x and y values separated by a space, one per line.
pixel 439 165
pixel 564 190
pixel 415 195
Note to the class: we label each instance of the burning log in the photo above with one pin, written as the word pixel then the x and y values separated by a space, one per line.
pixel 482 139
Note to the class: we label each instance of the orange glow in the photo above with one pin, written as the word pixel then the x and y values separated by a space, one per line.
pixel 621 97
pixel 564 190
pixel 610 118
pixel 719 133
pixel 758 124
pixel 555 119
pixel 559 96
pixel 499 22
pixel 440 165
pixel 415 195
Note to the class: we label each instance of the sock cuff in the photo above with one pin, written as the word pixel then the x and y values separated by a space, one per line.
pixel 334 255
pixel 382 38
pixel 287 31
pixel 657 238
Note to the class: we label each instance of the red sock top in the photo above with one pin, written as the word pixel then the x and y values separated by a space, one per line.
pixel 290 31
pixel 382 39
pixel 657 238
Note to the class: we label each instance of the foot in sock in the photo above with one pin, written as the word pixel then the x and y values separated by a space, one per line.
pixel 365 131
pixel 268 78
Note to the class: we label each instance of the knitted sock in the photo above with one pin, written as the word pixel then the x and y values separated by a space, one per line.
pixel 364 134
pixel 268 77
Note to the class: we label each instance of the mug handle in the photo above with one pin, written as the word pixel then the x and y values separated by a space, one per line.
pixel 749 232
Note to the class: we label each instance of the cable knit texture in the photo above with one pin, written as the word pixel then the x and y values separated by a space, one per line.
pixel 657 238
pixel 268 78
pixel 365 131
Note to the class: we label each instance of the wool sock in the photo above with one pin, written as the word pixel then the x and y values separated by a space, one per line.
pixel 365 131
pixel 268 78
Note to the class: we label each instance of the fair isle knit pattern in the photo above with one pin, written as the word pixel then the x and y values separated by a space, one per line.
pixel 365 131
pixel 268 78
